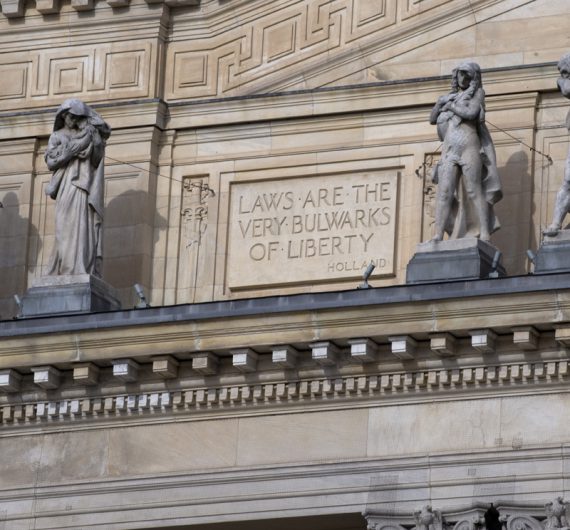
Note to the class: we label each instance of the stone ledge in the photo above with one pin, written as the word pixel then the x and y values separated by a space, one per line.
pixel 16 8
pixel 273 489
pixel 272 305
pixel 422 385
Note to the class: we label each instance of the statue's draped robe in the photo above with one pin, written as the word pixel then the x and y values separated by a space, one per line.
pixel 78 187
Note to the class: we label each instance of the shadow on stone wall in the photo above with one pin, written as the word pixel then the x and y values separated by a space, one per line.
pixel 129 241
pixel 15 233
pixel 515 212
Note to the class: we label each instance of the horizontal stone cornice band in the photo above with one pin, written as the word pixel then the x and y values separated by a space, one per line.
pixel 17 8
pixel 288 396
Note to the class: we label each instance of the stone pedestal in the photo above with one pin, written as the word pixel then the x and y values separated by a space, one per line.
pixel 56 295
pixel 457 259
pixel 553 254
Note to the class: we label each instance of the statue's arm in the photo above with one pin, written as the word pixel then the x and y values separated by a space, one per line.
pixel 468 109
pixel 438 107
pixel 81 146
pixel 435 113
pixel 56 154
pixel 61 150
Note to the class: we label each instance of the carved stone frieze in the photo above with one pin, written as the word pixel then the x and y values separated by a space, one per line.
pixel 109 70
pixel 195 209
pixel 481 516
pixel 428 519
pixel 428 207
pixel 557 513
pixel 523 522
pixel 283 50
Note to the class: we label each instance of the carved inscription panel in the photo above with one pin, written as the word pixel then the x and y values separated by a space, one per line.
pixel 311 229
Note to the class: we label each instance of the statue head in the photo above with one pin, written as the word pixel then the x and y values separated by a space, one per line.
pixel 564 80
pixel 74 113
pixel 467 76
pixel 75 107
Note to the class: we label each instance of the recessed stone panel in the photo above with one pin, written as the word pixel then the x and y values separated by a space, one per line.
pixel 279 40
pixel 125 69
pixel 311 229
pixel 13 80
pixel 68 75
pixel 369 10
pixel 190 69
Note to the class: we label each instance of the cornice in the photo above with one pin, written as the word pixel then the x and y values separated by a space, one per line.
pixel 541 300
pixel 42 9
pixel 139 21
pixel 119 114
pixel 435 23
pixel 409 94
pixel 323 106
pixel 285 395
pixel 461 340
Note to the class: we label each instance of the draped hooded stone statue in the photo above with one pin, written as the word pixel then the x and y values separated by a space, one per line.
pixel 75 154
pixel 467 177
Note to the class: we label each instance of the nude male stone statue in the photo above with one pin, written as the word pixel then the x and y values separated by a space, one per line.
pixel 467 178
pixel 562 206
pixel 75 154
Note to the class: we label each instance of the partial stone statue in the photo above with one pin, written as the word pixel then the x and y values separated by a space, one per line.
pixel 75 154
pixel 467 177
pixel 428 519
pixel 556 514
pixel 562 206
pixel 492 518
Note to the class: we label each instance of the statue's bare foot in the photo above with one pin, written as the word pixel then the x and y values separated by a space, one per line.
pixel 551 230
pixel 436 239
pixel 485 237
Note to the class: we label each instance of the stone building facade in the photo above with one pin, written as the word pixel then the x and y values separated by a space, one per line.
pixel 263 153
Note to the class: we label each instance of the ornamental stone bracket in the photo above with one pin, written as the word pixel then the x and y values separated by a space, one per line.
pixel 17 8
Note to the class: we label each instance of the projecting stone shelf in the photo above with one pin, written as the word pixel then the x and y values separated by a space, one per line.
pixel 395 387
pixel 17 8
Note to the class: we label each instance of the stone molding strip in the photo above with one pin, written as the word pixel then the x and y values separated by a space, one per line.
pixel 16 8
pixel 380 296
pixel 339 389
